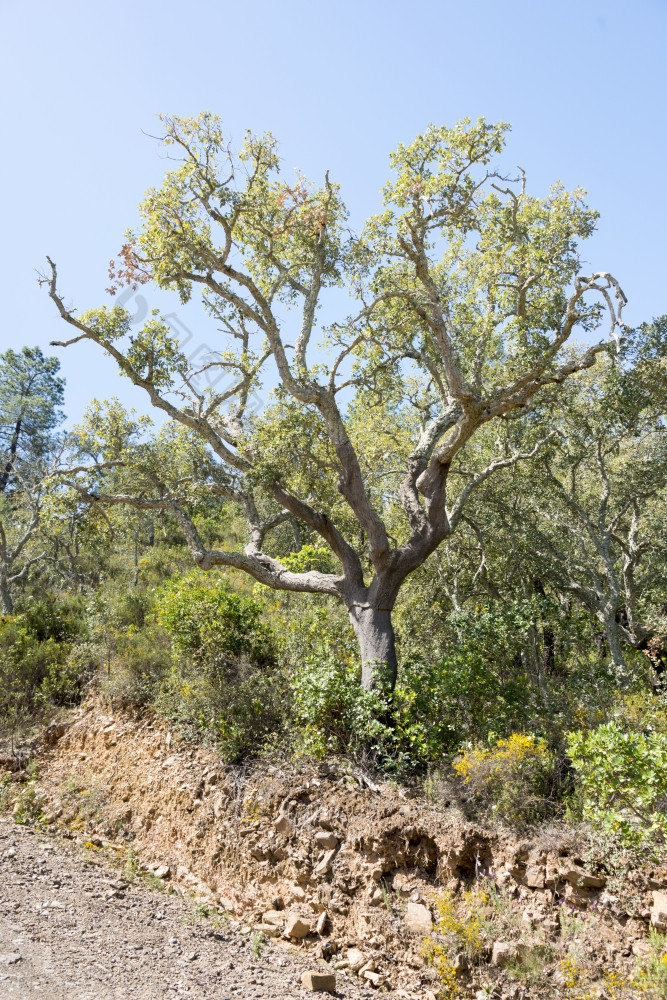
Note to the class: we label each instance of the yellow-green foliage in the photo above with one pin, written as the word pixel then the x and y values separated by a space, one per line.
pixel 652 976
pixel 648 982
pixel 511 776
pixel 469 922
pixel 458 929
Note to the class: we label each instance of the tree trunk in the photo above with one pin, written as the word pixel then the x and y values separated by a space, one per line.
pixel 6 602
pixel 614 641
pixel 135 560
pixel 375 632
pixel 536 661
pixel 7 471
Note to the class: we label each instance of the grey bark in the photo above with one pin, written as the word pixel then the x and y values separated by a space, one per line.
pixel 375 633
pixel 612 635
pixel 6 601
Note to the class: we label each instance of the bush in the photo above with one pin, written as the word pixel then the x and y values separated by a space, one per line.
pixel 241 714
pixel 467 926
pixel 463 674
pixel 38 666
pixel 512 778
pixel 142 662
pixel 330 711
pixel 211 624
pixel 622 781
pixel 333 714
pixel 222 680
pixel 442 703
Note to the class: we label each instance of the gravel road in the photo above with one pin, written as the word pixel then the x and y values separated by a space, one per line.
pixel 72 929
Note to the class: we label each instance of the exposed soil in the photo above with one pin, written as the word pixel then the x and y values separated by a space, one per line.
pixel 311 860
pixel 72 929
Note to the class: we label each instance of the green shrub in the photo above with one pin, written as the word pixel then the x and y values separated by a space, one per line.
pixel 65 679
pixel 622 780
pixel 652 975
pixel 241 712
pixel 37 664
pixel 440 704
pixel 330 712
pixel 49 618
pixel 28 806
pixel 141 664
pixel 463 675
pixel 211 623
pixel 223 680
pixel 132 608
pixel 511 779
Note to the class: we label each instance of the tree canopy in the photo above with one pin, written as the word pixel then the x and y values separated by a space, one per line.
pixel 466 294
pixel 31 392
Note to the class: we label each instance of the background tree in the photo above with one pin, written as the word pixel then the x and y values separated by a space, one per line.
pixel 30 395
pixel 582 524
pixel 601 492
pixel 468 292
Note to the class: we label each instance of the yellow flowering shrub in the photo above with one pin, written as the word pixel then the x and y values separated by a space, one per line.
pixel 458 929
pixel 511 777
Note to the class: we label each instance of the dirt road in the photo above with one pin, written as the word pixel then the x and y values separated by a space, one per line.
pixel 72 929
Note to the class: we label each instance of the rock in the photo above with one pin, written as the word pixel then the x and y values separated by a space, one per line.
pixel 269 930
pixel 325 863
pixel 583 880
pixel 613 902
pixel 162 871
pixel 503 953
pixel 418 918
pixel 274 917
pixel 659 911
pixel 319 982
pixel 296 926
pixel 461 964
pixel 185 875
pixel 355 959
pixel 402 885
pixel 375 978
pixel 10 958
pixel 326 840
pixel 283 825
pixel 329 949
pixel 322 922
pixel 535 878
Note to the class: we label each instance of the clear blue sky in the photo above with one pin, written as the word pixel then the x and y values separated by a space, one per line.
pixel 583 84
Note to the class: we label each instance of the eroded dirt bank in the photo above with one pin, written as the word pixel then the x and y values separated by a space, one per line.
pixel 345 871
pixel 72 929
